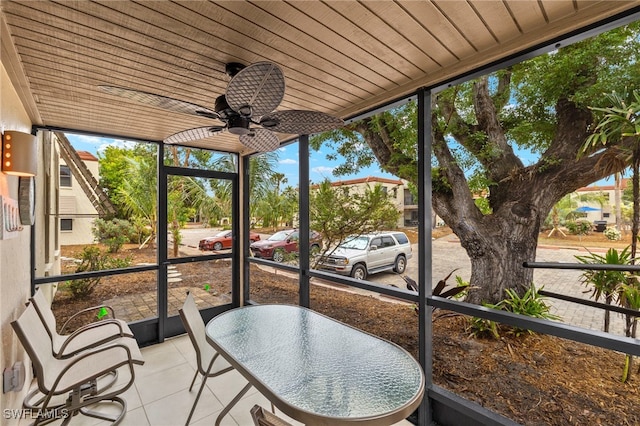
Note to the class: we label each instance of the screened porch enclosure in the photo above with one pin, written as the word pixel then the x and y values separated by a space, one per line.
pixel 58 55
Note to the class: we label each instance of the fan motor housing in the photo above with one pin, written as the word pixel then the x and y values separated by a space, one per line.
pixel 239 125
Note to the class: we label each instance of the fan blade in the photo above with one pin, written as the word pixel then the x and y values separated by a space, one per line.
pixel 256 90
pixel 195 134
pixel 300 122
pixel 261 140
pixel 161 101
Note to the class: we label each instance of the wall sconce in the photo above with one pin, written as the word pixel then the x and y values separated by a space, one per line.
pixel 19 153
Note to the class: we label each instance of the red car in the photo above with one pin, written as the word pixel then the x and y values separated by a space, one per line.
pixel 276 246
pixel 222 240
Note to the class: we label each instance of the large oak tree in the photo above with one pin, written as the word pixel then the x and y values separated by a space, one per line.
pixel 480 127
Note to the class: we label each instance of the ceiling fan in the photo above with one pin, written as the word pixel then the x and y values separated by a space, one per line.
pixel 247 109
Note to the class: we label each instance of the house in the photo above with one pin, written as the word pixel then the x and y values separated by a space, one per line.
pixel 394 188
pixel 76 212
pixel 398 190
pixel 598 202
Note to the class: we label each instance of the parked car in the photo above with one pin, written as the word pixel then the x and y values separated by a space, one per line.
pixel 222 240
pixel 279 244
pixel 362 255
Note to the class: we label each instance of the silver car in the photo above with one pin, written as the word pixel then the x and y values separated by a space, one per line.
pixel 361 255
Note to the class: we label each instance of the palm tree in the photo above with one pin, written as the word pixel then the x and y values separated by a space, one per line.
pixel 261 170
pixel 561 209
pixel 629 297
pixel 620 125
pixel 606 283
pixel 618 200
pixel 137 195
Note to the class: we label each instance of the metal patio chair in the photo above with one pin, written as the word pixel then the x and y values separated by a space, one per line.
pixel 262 417
pixel 77 376
pixel 89 335
pixel 205 354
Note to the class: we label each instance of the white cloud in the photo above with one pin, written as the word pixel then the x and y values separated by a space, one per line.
pixel 114 142
pixel 323 170
pixel 94 140
pixel 288 161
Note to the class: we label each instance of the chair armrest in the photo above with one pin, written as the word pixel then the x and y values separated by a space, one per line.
pixel 95 362
pixel 89 309
pixel 117 333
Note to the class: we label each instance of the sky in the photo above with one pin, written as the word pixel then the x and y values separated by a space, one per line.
pixel 320 167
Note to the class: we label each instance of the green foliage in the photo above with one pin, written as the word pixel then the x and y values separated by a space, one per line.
pixel 114 233
pixel 605 282
pixel 578 227
pixel 618 120
pixel 179 210
pixel 460 283
pixel 92 259
pixel 339 212
pixel 141 230
pixel 480 327
pixel 540 105
pixel 137 195
pixel 629 297
pixel 115 171
pixel 277 206
pixel 483 205
pixel 530 304
pixel 612 234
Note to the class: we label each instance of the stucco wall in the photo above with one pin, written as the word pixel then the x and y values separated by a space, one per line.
pixel 14 253
pixel 82 232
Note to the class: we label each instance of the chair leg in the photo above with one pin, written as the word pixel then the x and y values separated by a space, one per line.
pixel 110 418
pixel 32 405
pixel 204 380
pixel 194 380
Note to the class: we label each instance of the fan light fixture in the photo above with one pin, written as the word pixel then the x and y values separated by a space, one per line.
pixel 19 153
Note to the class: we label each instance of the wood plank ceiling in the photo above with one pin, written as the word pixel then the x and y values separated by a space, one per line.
pixel 338 57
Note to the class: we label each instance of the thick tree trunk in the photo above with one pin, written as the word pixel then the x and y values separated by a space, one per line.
pixel 497 249
pixel 498 269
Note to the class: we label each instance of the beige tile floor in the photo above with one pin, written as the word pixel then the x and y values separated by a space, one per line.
pixel 160 395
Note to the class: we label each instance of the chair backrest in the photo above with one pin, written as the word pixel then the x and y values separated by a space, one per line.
pixel 261 417
pixel 33 336
pixel 193 323
pixel 43 308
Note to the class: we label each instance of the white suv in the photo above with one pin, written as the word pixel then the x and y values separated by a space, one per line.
pixel 362 255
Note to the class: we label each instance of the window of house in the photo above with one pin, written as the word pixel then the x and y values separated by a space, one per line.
pixel 606 215
pixel 65 176
pixel 66 224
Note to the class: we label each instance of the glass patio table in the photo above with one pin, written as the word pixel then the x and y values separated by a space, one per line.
pixel 317 370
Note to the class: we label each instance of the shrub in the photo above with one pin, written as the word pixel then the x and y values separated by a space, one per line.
pixel 92 259
pixel 612 234
pixel 531 304
pixel 140 229
pixel 578 227
pixel 114 233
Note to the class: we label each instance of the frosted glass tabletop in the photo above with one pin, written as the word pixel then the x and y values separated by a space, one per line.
pixel 318 370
